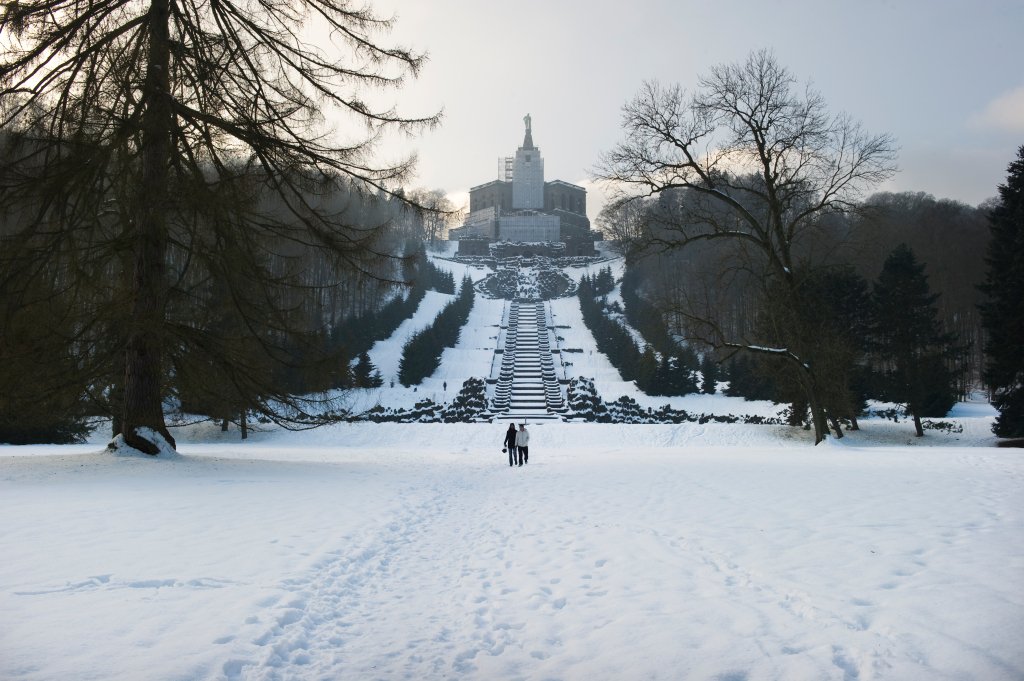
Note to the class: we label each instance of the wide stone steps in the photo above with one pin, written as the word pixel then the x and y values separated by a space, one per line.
pixel 527 385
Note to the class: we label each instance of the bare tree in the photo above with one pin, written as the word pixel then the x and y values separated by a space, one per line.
pixel 440 214
pixel 623 224
pixel 193 133
pixel 762 161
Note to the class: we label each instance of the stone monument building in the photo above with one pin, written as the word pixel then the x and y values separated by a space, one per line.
pixel 522 207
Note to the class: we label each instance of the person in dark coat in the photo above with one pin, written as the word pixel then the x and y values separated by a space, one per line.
pixel 510 443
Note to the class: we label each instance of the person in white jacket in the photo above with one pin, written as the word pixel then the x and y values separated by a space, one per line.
pixel 523 444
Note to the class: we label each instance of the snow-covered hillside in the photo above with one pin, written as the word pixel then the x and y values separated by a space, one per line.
pixel 473 356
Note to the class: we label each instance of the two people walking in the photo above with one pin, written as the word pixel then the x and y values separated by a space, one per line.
pixel 518 444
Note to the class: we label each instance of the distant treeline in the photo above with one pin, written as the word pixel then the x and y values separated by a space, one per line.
pixel 911 336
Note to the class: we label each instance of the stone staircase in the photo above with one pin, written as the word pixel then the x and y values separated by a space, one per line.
pixel 527 387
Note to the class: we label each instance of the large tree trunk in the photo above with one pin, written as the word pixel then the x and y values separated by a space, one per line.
pixel 143 375
pixel 817 409
pixel 818 417
pixel 917 425
pixel 117 409
pixel 835 426
pixel 821 430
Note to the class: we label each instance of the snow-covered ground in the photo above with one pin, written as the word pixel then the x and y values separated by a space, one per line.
pixel 385 551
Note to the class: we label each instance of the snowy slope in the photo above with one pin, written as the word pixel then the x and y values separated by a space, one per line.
pixel 471 356
pixel 474 353
pixel 384 551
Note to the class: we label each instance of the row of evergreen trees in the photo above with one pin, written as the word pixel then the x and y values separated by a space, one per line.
pixel 681 359
pixel 354 336
pixel 602 283
pixel 667 370
pixel 421 354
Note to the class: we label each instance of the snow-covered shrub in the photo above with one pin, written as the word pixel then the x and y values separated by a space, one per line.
pixel 470 404
pixel 553 283
pixel 942 426
pixel 584 401
pixel 424 411
pixel 666 414
pixel 501 284
pixel 536 278
pixel 627 410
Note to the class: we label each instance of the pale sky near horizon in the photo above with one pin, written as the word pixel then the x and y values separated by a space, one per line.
pixel 944 77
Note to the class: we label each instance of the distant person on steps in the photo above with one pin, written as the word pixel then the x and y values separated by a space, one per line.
pixel 510 443
pixel 523 444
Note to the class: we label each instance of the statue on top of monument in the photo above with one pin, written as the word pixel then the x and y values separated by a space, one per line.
pixel 526 119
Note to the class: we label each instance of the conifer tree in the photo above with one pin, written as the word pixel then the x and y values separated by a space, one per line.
pixel 604 281
pixel 833 308
pixel 748 380
pixel 42 393
pixel 364 373
pixel 908 343
pixel 647 372
pixel 144 138
pixel 709 370
pixel 1003 314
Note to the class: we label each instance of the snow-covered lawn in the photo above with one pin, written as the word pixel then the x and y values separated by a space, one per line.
pixel 382 551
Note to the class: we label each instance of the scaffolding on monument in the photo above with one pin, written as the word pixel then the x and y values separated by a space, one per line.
pixel 506 167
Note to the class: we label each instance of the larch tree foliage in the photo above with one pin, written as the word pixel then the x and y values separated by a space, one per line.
pixel 179 151
pixel 1003 311
pixel 760 161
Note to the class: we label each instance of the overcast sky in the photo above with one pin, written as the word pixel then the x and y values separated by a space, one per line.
pixel 944 77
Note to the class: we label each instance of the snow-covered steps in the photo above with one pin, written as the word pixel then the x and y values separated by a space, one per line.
pixel 527 386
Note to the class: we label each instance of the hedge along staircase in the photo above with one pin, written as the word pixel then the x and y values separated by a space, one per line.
pixel 527 387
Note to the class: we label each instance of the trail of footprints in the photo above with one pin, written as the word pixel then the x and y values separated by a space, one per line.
pixel 513 607
pixel 516 602
pixel 313 625
pixel 878 647
pixel 320 612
